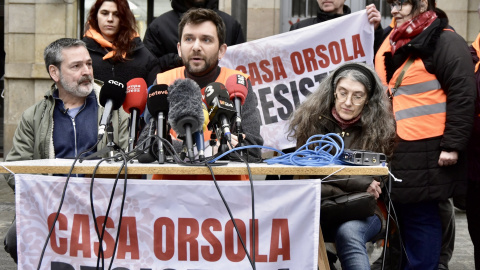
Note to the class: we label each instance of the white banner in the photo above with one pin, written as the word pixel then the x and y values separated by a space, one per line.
pixel 168 224
pixel 285 68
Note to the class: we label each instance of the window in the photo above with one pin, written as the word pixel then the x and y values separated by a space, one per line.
pixel 304 8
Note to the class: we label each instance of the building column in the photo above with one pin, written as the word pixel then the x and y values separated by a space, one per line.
pixel 29 27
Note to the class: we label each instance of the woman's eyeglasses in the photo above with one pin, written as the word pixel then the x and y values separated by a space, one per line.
pixel 398 4
pixel 357 99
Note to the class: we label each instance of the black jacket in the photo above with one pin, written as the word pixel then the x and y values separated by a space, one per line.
pixel 351 139
pixel 345 184
pixel 323 17
pixel 445 54
pixel 141 63
pixel 161 37
pixel 474 145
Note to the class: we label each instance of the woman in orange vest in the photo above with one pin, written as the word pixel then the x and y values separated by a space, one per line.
pixel 428 71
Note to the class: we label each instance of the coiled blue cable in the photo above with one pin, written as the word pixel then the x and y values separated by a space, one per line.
pixel 245 147
pixel 327 151
pixel 321 155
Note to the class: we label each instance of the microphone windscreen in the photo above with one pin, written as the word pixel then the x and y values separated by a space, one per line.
pixel 213 90
pixel 136 95
pixel 237 87
pixel 115 91
pixel 185 100
pixel 157 100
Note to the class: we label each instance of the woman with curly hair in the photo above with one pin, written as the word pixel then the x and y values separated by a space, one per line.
pixel 351 102
pixel 114 44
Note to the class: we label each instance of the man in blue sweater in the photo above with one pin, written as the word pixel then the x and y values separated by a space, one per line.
pixel 61 125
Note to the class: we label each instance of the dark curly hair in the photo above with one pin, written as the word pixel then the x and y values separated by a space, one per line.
pixel 127 27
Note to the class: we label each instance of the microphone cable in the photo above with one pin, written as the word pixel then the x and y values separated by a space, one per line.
pixel 245 160
pixel 394 217
pixel 252 263
pixel 62 198
pixel 208 163
pixel 219 156
pixel 100 236
pixel 170 149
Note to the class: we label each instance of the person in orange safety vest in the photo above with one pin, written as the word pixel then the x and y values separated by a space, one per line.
pixel 428 71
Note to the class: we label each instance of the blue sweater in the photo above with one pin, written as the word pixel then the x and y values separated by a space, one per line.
pixel 71 136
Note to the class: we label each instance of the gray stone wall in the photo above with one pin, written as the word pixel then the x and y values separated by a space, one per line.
pixel 31 25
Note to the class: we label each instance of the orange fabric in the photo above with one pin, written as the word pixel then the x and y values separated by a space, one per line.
pixel 416 100
pixel 168 78
pixel 93 34
pixel 476 46
pixel 419 127
pixel 393 23
pixel 197 177
pixel 379 60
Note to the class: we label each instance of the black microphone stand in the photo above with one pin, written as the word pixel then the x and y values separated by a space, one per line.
pixel 223 147
pixel 133 129
pixel 241 141
pixel 161 131
pixel 110 148
pixel 213 140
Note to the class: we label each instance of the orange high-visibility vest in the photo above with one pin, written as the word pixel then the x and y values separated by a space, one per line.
pixel 168 77
pixel 419 103
pixel 476 46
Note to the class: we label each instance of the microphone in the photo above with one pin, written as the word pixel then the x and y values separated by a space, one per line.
pixel 134 104
pixel 237 88
pixel 199 138
pixel 111 98
pixel 220 108
pixel 157 104
pixel 185 112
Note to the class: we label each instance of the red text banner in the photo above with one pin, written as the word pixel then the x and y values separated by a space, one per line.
pixel 286 68
pixel 168 224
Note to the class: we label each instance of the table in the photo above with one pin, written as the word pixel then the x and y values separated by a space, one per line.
pixel 62 166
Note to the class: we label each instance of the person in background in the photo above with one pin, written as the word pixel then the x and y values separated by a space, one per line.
pixel 433 103
pixel 60 125
pixel 446 208
pixel 351 102
pixel 112 39
pixel 332 9
pixel 473 199
pixel 161 37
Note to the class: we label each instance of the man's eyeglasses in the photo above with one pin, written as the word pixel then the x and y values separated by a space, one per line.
pixel 398 4
pixel 357 99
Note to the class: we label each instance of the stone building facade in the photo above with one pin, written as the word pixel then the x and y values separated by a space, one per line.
pixel 30 25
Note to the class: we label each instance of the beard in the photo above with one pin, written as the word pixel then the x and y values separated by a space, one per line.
pixel 79 88
pixel 200 70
